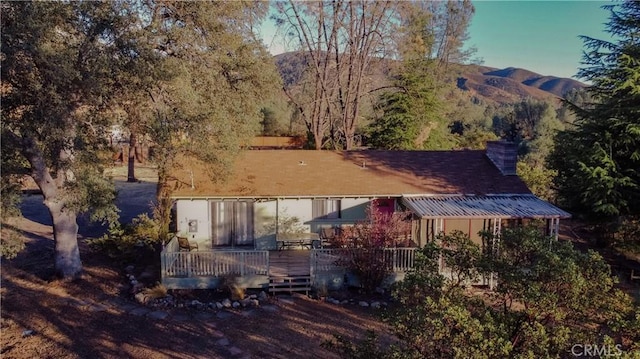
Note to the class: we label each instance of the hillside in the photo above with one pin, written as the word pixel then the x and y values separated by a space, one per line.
pixel 485 83
pixel 512 84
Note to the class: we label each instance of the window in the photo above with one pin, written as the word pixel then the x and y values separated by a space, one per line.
pixel 232 223
pixel 326 209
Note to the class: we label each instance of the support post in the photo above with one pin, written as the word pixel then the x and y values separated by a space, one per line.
pixel 494 248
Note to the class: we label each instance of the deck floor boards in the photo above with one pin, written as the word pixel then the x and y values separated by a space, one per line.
pixel 289 263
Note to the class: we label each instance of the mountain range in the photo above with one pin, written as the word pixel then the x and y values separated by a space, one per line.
pixel 489 84
pixel 513 84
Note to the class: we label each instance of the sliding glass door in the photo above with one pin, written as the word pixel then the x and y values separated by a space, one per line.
pixel 232 223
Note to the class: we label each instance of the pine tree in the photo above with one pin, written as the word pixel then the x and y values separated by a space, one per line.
pixel 598 160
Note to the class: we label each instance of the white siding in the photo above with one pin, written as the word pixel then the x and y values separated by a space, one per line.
pixel 265 219
pixel 198 210
pixel 300 208
pixel 352 210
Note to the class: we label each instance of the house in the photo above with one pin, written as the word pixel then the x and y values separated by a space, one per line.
pixel 241 224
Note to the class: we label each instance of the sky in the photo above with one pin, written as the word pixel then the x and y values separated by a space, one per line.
pixel 540 36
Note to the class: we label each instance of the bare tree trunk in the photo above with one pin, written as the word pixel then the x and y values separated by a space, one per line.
pixel 67 261
pixel 339 39
pixel 65 234
pixel 140 152
pixel 131 166
pixel 162 212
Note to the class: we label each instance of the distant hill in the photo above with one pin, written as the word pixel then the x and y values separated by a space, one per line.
pixel 512 84
pixel 486 83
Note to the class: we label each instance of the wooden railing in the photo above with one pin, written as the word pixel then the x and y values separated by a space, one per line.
pixel 210 263
pixel 398 259
pixel 215 263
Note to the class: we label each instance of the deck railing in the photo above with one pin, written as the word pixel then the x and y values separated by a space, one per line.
pixel 212 263
pixel 398 259
pixel 216 263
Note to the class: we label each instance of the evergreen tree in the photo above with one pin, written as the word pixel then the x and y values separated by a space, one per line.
pixel 414 115
pixel 598 161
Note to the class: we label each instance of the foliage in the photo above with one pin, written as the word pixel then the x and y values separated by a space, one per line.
pixel 13 173
pixel 549 297
pixel 11 243
pixel 532 124
pixel 187 118
pixel 286 224
pixel 475 138
pixel 627 235
pixel 124 242
pixel 539 179
pixel 412 116
pixel 269 123
pixel 423 280
pixel 598 159
pixel 339 41
pixel 156 292
pixel 395 129
pixel 362 349
pixel 230 282
pixel 57 61
pixel 367 240
pixel 460 256
pixel 554 294
pixel 10 197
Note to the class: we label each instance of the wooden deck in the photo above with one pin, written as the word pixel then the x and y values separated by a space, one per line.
pixel 289 263
pixel 303 268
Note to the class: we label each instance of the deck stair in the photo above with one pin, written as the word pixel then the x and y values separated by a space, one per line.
pixel 290 284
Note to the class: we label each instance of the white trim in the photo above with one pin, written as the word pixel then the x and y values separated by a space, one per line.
pixel 373 196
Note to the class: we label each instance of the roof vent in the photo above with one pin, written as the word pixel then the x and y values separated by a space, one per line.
pixel 504 156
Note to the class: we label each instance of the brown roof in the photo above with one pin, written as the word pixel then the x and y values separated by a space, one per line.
pixel 299 173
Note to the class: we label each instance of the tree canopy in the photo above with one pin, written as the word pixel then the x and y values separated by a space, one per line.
pixel 189 75
pixel 430 45
pixel 56 64
pixel 598 159
pixel 549 298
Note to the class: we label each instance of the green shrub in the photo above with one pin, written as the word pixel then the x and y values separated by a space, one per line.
pixel 11 243
pixel 124 242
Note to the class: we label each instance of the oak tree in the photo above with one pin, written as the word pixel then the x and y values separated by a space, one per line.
pixel 57 59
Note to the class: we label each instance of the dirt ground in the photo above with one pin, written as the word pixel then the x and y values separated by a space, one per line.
pixel 93 318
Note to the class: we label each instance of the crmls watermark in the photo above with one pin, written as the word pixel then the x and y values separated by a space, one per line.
pixel 601 351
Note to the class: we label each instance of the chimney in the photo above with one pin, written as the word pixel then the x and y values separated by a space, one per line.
pixel 504 156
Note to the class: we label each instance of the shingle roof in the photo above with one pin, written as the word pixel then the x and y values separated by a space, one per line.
pixel 497 206
pixel 299 173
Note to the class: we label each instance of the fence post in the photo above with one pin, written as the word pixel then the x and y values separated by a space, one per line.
pixel 395 260
pixel 189 269
pixel 243 262
pixel 163 264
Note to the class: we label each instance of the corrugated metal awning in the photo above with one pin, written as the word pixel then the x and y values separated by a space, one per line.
pixel 489 206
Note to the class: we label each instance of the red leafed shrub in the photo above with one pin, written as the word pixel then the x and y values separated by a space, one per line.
pixel 367 241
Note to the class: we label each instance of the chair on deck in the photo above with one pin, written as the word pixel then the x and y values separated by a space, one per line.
pixel 327 235
pixel 185 245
